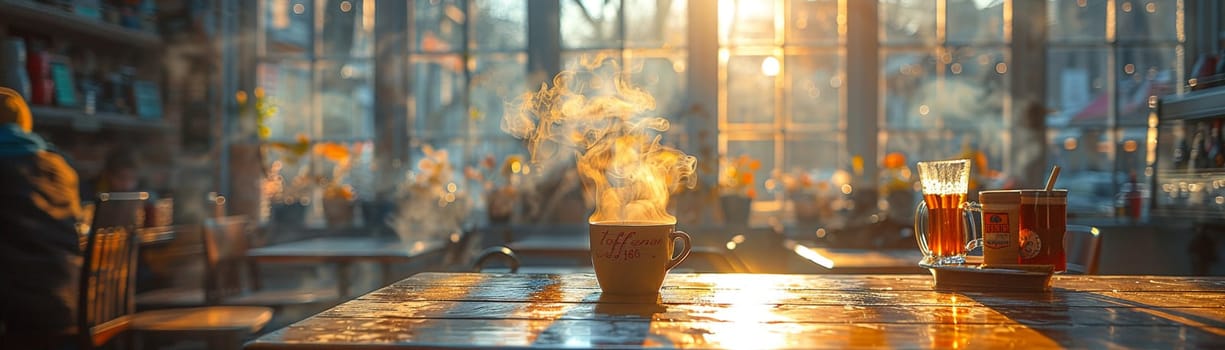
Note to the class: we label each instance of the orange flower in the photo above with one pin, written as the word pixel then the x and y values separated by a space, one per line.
pixel 332 151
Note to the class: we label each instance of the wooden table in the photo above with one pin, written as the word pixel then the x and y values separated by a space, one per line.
pixel 445 310
pixel 859 261
pixel 345 250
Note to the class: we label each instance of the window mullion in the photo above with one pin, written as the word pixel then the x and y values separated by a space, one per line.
pixel 863 92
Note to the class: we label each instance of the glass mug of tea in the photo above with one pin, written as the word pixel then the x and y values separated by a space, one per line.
pixel 1043 227
pixel 944 228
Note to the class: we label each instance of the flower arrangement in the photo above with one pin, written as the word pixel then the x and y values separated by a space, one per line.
pixel 500 184
pixel 492 177
pixel 341 157
pixel 737 177
pixel 799 181
pixel 261 108
pixel 431 203
pixel 811 195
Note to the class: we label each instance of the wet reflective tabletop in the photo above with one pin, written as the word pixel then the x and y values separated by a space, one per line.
pixel 753 311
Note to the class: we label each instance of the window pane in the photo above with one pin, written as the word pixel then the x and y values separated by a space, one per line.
pixel 907 21
pixel 590 24
pixel 911 90
pixel 1076 87
pixel 1144 72
pixel 656 23
pixel 437 92
pixel 815 89
pixel 500 24
pixel 606 64
pixel 1077 20
pixel 660 77
pixel 495 80
pixel 746 22
pixel 802 155
pixel 1086 157
pixel 974 90
pixel 284 83
pixel 750 92
pixel 762 151
pixel 347 28
pixel 288 26
pixel 438 25
pixel 985 147
pixel 346 99
pixel 813 22
pixel 975 21
pixel 1147 19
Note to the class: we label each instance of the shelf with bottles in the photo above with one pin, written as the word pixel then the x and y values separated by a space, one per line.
pixel 81 121
pixel 129 23
pixel 1189 164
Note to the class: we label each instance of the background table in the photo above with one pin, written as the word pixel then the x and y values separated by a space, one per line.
pixel 435 310
pixel 345 250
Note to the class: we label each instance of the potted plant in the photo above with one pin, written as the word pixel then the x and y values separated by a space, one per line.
pixel 500 185
pixel 285 186
pixel 737 188
pixel 338 196
pixel 809 197
pixel 431 203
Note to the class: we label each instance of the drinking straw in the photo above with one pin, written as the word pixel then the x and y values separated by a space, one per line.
pixel 1050 181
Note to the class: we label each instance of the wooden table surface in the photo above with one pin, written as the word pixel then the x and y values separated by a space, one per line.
pixel 464 310
pixel 344 250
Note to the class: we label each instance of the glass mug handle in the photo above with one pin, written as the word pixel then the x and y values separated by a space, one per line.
pixel 973 237
pixel 920 228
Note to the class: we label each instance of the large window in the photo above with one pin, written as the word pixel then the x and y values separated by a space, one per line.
pixel 315 64
pixel 944 73
pixel 781 91
pixel 939 82
pixel 1105 61
pixel 468 59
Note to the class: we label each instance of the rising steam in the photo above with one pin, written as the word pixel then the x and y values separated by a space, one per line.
pixel 617 146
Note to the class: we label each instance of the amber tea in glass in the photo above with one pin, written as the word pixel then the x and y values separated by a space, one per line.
pixel 1044 221
pixel 942 226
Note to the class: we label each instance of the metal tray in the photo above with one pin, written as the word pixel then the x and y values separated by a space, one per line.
pixel 973 277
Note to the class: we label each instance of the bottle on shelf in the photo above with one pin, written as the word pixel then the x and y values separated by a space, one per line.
pixel 12 66
pixel 1181 151
pixel 38 66
pixel 1216 154
pixel 1196 159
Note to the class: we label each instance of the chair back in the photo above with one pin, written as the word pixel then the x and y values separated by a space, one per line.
pixel 226 241
pixel 1083 245
pixel 107 287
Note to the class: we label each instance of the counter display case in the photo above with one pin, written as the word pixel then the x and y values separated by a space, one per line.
pixel 1189 163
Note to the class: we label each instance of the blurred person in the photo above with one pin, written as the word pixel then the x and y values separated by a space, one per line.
pixel 120 173
pixel 40 254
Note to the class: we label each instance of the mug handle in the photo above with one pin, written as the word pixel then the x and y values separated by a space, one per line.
pixel 684 252
pixel 974 237
pixel 920 228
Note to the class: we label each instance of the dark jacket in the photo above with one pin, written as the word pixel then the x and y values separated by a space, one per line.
pixel 40 254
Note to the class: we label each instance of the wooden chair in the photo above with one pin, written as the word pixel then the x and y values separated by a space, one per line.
pixel 1083 245
pixel 106 304
pixel 226 241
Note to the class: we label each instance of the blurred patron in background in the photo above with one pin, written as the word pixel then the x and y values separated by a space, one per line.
pixel 120 173
pixel 40 254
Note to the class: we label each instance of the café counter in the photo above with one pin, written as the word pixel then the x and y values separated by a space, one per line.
pixel 474 310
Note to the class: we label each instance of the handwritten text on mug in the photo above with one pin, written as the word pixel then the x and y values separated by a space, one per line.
pixel 622 245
